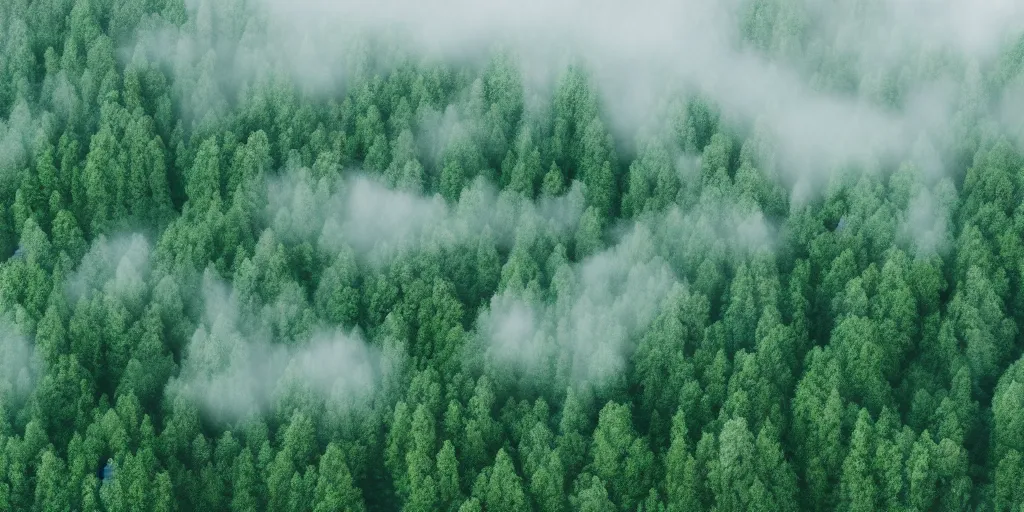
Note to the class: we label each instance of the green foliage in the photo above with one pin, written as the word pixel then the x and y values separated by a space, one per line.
pixel 851 348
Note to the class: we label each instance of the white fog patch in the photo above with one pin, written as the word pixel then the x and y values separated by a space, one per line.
pixel 381 223
pixel 118 266
pixel 584 335
pixel 640 52
pixel 17 131
pixel 233 367
pixel 585 332
pixel 714 226
pixel 1011 110
pixel 928 220
pixel 375 216
pixel 752 230
pixel 18 364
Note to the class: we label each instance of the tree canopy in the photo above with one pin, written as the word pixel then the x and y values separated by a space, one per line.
pixel 433 288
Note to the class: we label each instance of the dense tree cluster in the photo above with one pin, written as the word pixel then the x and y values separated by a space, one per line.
pixel 856 350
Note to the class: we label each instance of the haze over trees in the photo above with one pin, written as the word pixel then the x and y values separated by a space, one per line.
pixel 305 256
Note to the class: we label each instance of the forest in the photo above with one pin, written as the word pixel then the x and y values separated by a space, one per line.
pixel 249 261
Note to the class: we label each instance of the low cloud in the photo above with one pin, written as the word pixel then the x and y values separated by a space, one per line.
pixel 117 266
pixel 928 220
pixel 835 84
pixel 583 336
pixel 381 223
pixel 18 129
pixel 584 333
pixel 18 364
pixel 234 367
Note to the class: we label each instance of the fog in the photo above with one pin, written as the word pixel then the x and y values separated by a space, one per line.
pixel 929 220
pixel 118 265
pixel 583 336
pixel 817 74
pixel 586 333
pixel 17 132
pixel 234 366
pixel 382 223
pixel 827 86
pixel 18 365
